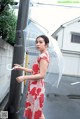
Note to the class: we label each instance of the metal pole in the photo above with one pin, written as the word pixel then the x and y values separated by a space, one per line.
pixel 18 57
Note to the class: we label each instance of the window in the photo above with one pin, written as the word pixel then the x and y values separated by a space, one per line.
pixel 75 38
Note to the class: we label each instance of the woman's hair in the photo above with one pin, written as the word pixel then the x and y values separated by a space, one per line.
pixel 46 39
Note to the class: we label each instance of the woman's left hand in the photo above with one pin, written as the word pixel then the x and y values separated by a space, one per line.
pixel 20 79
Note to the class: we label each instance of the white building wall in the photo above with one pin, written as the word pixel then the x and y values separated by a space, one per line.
pixel 72 63
pixel 60 38
pixel 67 44
pixel 71 51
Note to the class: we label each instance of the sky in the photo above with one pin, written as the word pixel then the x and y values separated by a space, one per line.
pixel 53 16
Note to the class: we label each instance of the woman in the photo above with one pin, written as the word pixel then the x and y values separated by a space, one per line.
pixel 35 96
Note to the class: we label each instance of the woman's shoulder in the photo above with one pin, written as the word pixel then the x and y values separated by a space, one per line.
pixel 44 56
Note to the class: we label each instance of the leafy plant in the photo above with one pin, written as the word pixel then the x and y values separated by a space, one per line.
pixel 8 22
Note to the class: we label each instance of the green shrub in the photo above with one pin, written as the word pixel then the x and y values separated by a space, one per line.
pixel 8 24
pixel 7 1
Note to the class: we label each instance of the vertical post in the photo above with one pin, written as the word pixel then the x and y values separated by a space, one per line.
pixel 18 57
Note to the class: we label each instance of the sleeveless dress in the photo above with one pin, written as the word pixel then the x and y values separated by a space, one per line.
pixel 35 97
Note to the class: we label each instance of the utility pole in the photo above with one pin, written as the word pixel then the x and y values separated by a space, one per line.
pixel 18 57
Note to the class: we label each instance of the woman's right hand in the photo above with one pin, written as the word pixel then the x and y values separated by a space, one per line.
pixel 17 67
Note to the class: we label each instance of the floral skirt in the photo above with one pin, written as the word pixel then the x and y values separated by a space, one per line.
pixel 35 99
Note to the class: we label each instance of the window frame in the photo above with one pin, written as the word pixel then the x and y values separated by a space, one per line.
pixel 73 34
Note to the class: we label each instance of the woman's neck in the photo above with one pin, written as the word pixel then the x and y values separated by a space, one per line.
pixel 44 51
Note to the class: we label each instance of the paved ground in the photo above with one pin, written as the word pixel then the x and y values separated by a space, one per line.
pixel 61 108
pixel 62 102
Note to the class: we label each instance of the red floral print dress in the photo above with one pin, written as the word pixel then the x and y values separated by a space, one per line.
pixel 35 96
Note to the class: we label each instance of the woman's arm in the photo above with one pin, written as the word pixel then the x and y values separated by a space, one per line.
pixel 19 67
pixel 43 69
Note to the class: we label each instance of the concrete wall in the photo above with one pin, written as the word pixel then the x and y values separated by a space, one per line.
pixel 6 56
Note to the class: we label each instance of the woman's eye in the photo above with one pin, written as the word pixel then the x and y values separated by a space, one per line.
pixel 38 42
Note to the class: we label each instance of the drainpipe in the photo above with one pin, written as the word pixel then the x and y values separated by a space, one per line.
pixel 62 38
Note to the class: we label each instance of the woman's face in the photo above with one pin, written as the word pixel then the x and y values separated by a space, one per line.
pixel 40 44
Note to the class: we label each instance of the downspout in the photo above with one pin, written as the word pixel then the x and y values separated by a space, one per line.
pixel 62 38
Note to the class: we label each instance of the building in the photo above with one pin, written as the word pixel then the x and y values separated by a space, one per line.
pixel 68 38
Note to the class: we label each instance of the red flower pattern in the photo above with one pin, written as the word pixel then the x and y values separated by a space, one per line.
pixel 37 114
pixel 35 82
pixel 28 104
pixel 33 91
pixel 41 100
pixel 36 93
pixel 28 113
pixel 38 90
pixel 35 69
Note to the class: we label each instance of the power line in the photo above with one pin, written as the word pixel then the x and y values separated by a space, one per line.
pixel 69 6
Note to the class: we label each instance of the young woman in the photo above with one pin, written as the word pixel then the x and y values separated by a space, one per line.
pixel 35 96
